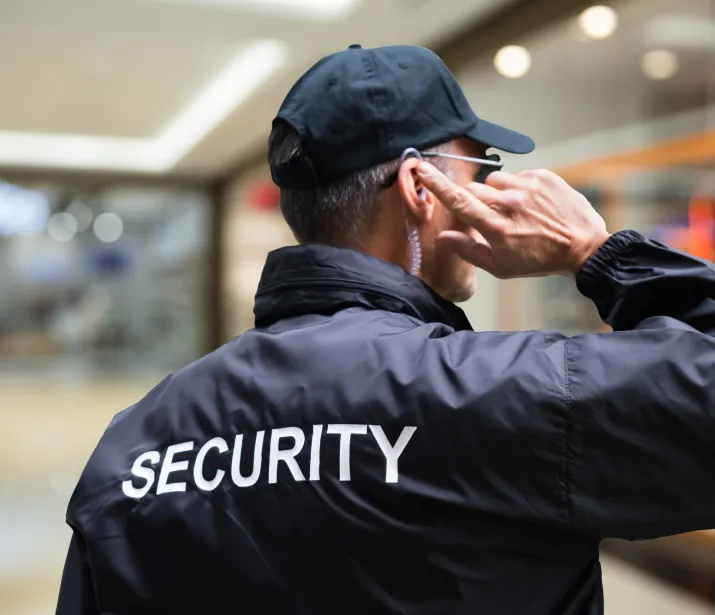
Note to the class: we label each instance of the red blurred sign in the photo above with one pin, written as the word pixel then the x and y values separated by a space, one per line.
pixel 264 196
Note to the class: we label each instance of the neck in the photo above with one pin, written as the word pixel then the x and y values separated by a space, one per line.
pixel 388 237
pixel 389 248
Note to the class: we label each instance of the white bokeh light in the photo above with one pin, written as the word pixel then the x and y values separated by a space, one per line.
pixel 82 213
pixel 513 61
pixel 108 227
pixel 598 22
pixel 660 64
pixel 62 227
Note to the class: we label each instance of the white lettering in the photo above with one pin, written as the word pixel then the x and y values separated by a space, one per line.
pixel 144 477
pixel 346 431
pixel 392 453
pixel 288 455
pixel 236 476
pixel 170 466
pixel 140 471
pixel 201 482
pixel 315 452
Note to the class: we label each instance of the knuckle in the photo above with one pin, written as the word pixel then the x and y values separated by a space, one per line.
pixel 537 179
pixel 498 176
pixel 519 199
pixel 475 190
pixel 498 225
pixel 536 173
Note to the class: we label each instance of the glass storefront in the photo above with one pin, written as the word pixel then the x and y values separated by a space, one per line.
pixel 104 289
pixel 109 278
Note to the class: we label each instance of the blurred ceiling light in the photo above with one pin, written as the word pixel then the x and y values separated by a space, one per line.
pixel 256 63
pixel 66 151
pixel 576 32
pixel 108 227
pixel 598 22
pixel 660 64
pixel 62 227
pixel 218 99
pixel 319 10
pixel 82 213
pixel 512 61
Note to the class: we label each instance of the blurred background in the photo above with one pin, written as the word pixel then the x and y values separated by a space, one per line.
pixel 136 209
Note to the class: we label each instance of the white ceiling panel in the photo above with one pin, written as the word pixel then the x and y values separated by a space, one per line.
pixel 160 86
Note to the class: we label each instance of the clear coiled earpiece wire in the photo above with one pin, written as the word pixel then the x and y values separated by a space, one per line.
pixel 413 235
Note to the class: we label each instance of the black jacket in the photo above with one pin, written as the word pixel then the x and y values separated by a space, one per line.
pixel 363 451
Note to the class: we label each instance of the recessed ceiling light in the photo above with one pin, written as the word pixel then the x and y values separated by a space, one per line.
pixel 660 64
pixel 251 68
pixel 598 22
pixel 513 61
pixel 576 32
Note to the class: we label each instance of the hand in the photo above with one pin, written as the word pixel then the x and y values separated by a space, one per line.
pixel 531 224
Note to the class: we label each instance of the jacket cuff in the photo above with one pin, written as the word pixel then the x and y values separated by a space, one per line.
pixel 592 280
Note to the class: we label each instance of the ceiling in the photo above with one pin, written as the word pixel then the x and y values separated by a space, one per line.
pixel 183 87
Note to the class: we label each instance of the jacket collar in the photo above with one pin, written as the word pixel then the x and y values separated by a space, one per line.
pixel 319 279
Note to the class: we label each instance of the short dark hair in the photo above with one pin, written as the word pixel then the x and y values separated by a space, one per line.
pixel 343 211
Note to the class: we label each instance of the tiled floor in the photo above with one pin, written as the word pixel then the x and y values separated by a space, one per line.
pixel 48 429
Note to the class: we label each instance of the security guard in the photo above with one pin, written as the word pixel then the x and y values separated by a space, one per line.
pixel 363 450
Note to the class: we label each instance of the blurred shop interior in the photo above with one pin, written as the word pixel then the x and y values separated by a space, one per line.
pixel 136 208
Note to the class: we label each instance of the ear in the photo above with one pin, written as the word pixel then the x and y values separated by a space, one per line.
pixel 417 199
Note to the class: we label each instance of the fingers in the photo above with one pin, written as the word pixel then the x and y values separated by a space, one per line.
pixel 462 202
pixel 486 194
pixel 491 196
pixel 526 180
pixel 501 180
pixel 477 253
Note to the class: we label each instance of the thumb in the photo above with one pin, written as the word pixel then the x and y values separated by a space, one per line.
pixel 476 252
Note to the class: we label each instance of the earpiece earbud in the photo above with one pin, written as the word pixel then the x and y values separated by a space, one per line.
pixel 413 235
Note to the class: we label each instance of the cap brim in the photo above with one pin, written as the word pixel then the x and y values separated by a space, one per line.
pixel 501 138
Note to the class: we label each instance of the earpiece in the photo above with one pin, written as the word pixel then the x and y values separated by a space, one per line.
pixel 413 235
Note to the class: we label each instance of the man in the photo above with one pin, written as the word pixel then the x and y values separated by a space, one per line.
pixel 363 450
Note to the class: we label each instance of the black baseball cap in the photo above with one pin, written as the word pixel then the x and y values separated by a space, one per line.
pixel 361 107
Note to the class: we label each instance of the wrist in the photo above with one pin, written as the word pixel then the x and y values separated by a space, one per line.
pixel 584 249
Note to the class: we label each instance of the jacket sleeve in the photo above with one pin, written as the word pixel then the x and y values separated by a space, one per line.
pixel 640 402
pixel 76 590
